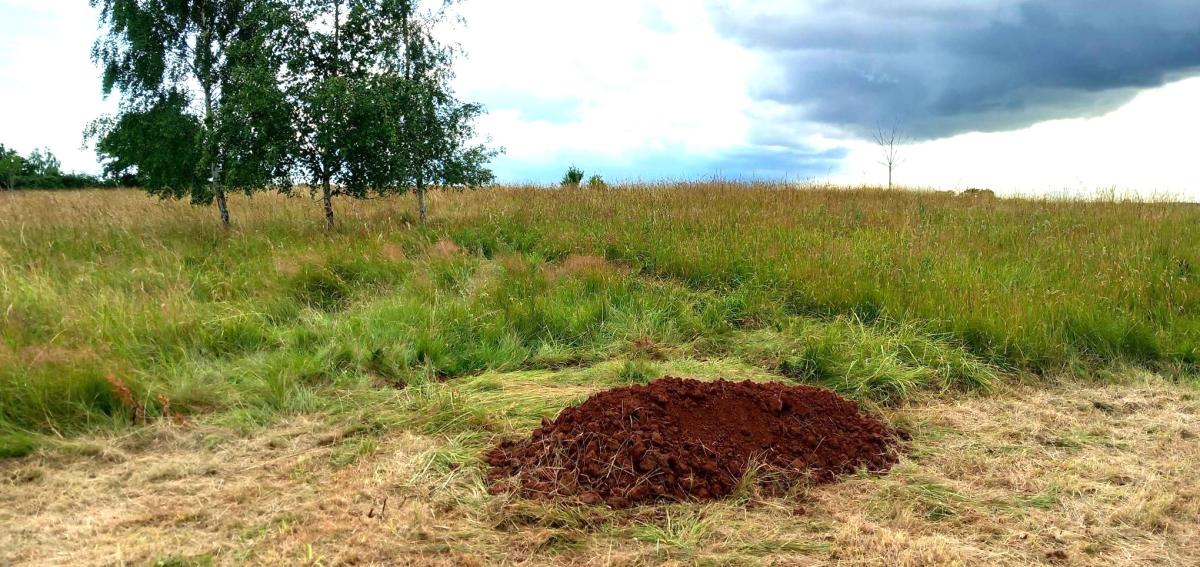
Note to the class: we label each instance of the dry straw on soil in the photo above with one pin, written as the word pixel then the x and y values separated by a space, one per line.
pixel 342 388
pixel 1068 475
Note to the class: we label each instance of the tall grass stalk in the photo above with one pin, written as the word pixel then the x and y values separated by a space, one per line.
pixel 877 294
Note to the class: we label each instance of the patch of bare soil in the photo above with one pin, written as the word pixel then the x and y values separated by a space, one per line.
pixel 445 249
pixel 585 264
pixel 681 439
pixel 1070 474
pixel 392 252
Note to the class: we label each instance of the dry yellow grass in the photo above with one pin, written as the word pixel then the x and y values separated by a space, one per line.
pixel 287 346
pixel 1063 475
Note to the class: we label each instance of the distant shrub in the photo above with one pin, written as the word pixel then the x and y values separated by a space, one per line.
pixel 596 182
pixel 573 177
pixel 63 181
pixel 979 193
pixel 42 170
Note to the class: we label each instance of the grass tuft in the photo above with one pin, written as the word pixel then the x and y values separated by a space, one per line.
pixel 879 295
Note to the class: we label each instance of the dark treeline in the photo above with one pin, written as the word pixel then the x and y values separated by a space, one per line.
pixel 42 170
pixel 343 98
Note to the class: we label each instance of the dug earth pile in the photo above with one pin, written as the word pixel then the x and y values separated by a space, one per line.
pixel 679 439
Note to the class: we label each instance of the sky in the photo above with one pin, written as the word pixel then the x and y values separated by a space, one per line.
pixel 1019 96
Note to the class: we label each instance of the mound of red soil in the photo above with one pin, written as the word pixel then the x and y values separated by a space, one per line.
pixel 677 439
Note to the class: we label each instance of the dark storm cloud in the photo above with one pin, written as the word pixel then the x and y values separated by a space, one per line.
pixel 940 68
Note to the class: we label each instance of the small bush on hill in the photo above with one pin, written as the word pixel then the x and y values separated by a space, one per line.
pixel 573 177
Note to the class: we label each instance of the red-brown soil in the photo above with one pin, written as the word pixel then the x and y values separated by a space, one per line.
pixel 679 439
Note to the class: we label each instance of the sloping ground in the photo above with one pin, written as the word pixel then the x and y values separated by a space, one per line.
pixel 1067 475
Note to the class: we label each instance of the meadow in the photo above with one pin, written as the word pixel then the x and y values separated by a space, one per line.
pixel 133 327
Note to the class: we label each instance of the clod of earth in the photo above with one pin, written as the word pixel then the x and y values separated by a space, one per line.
pixel 679 439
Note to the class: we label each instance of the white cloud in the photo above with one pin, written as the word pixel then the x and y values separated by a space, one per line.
pixel 642 77
pixel 1147 146
pixel 635 83
pixel 49 88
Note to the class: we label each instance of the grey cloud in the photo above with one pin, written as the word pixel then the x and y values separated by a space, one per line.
pixel 940 68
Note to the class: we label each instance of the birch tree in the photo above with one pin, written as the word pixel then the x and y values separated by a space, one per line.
pixel 373 112
pixel 211 62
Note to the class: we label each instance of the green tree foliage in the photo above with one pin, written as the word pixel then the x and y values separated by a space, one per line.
pixel 255 129
pixel 164 55
pixel 158 145
pixel 352 95
pixel 573 177
pixel 41 163
pixel 10 167
pixel 369 85
pixel 41 170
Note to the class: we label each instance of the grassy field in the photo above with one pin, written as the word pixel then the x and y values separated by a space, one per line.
pixel 393 355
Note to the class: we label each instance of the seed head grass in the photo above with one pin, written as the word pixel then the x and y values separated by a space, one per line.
pixel 880 295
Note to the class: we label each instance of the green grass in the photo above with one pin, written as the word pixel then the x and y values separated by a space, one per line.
pixel 878 295
pixel 679 531
pixel 1042 285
